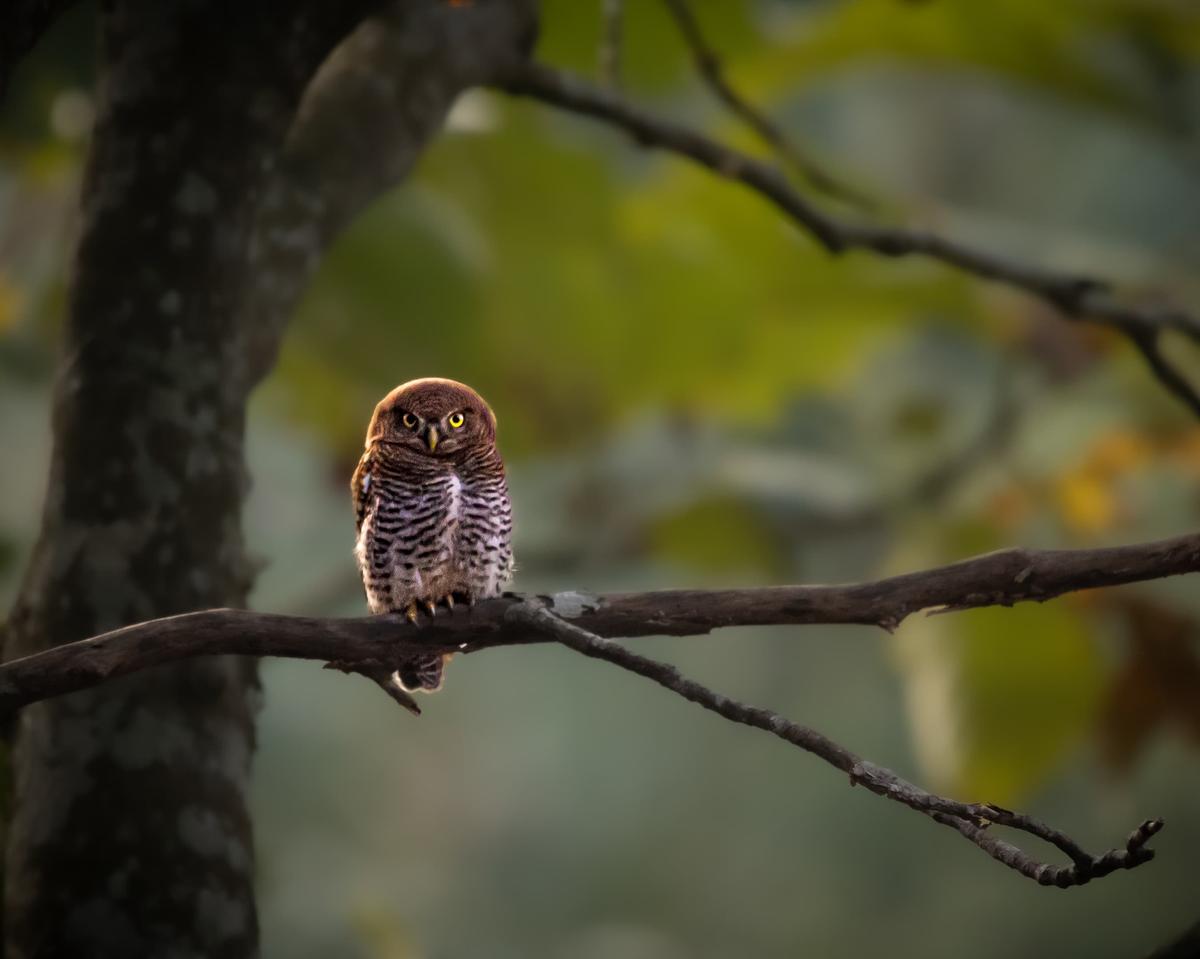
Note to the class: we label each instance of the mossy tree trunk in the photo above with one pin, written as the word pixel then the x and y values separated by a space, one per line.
pixel 129 834
pixel 230 150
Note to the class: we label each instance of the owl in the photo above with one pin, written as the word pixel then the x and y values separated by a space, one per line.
pixel 432 509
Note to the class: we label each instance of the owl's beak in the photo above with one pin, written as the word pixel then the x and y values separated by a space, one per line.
pixel 431 438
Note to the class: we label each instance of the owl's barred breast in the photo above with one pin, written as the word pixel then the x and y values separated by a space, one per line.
pixel 433 528
pixel 431 508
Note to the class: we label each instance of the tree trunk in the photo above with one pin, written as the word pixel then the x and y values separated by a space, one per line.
pixel 129 834
pixel 211 191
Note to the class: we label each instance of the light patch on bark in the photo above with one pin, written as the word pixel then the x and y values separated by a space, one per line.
pixel 220 916
pixel 71 740
pixel 573 603
pixel 196 196
pixel 205 833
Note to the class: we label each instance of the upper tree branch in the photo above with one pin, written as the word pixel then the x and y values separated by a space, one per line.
pixel 376 102
pixel 1076 296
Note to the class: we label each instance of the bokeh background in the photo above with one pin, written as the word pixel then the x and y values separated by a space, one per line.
pixel 691 393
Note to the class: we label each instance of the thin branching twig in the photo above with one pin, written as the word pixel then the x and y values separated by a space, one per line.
pixel 969 819
pixel 1076 296
pixel 710 68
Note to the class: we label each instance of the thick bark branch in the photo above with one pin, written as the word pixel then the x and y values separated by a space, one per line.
pixel 365 119
pixel 1076 296
pixel 372 645
pixel 994 579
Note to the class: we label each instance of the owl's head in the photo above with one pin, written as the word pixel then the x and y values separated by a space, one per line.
pixel 433 417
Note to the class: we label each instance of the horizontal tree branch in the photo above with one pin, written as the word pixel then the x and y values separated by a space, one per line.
pixel 373 645
pixel 1001 578
pixel 1074 295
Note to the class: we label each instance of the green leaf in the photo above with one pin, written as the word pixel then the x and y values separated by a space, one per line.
pixel 997 697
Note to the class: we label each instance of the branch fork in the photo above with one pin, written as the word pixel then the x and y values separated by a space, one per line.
pixel 587 623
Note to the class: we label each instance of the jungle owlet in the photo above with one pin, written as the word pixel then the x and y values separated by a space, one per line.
pixel 431 506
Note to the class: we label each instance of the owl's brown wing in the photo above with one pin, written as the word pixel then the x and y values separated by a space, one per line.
pixel 360 486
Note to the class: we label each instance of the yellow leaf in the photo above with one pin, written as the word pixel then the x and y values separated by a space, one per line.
pixel 1119 452
pixel 1086 503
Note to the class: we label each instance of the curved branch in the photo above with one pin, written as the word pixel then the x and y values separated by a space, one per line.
pixel 372 646
pixel 366 117
pixel 995 579
pixel 1075 296
pixel 969 819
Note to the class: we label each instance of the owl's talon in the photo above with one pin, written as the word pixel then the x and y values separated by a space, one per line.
pixel 430 607
pixel 410 613
pixel 449 600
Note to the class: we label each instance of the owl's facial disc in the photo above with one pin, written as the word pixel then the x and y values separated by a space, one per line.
pixel 434 417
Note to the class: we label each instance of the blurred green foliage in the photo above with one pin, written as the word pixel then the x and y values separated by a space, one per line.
pixel 689 391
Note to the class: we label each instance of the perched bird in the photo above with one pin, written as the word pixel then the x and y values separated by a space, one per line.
pixel 432 510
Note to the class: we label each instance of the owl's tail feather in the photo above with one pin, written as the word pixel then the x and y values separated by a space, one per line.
pixel 422 674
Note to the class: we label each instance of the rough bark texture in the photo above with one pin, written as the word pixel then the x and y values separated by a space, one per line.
pixel 1001 578
pixel 363 123
pixel 210 195
pixel 129 835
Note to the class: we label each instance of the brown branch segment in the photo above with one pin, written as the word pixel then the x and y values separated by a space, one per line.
pixel 372 646
pixel 995 579
pixel 1076 296
pixel 969 819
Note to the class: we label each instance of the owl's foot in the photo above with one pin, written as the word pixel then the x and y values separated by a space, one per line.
pixel 412 612
pixel 450 600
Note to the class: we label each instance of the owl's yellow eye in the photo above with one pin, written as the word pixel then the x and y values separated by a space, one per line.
pixel 408 420
pixel 456 421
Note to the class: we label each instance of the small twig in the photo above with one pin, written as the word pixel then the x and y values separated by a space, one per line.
pixel 1076 297
pixel 610 44
pixel 709 66
pixel 382 676
pixel 969 819
pixel 1146 339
